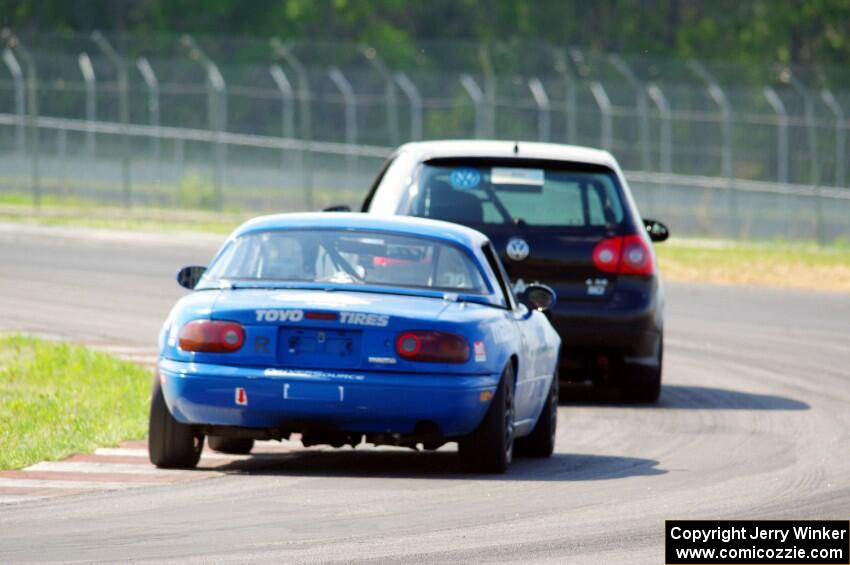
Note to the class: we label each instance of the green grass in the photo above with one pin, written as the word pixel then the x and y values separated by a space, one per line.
pixel 57 399
pixel 222 227
pixel 104 217
pixel 778 263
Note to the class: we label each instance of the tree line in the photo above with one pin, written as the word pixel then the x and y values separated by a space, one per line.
pixel 741 31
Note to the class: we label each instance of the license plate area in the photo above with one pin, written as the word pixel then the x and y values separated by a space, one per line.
pixel 322 392
pixel 314 348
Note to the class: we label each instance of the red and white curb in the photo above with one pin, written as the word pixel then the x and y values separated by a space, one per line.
pixel 126 467
pixel 144 356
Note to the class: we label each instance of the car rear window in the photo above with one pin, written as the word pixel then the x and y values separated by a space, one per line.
pixel 509 192
pixel 346 257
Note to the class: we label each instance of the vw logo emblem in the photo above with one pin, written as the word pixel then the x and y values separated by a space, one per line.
pixel 517 249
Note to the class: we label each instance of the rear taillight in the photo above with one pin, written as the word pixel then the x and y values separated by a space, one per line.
pixel 627 255
pixel 436 347
pixel 210 336
pixel 637 257
pixel 606 254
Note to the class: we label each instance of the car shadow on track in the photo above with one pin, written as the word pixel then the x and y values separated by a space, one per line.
pixel 443 464
pixel 684 397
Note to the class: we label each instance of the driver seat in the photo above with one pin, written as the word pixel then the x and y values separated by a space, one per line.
pixel 450 205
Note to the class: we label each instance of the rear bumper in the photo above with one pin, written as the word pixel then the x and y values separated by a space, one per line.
pixel 628 325
pixel 350 402
pixel 628 341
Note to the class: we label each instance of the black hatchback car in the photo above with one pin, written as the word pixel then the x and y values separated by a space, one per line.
pixel 559 215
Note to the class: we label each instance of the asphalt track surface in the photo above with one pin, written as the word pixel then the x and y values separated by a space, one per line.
pixel 753 422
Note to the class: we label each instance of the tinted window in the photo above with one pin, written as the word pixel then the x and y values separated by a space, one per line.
pixel 507 193
pixel 345 257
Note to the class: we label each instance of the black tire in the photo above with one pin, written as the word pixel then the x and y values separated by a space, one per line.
pixel 489 449
pixel 233 445
pixel 171 445
pixel 541 441
pixel 643 384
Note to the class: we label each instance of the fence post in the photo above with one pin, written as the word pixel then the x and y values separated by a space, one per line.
pixel 89 80
pixel 811 131
pixel 124 109
pixel 409 89
pixel 541 99
pixel 814 160
pixel 350 102
pixel 216 110
pixel 20 104
pixel 62 153
pixel 13 43
pixel 477 96
pixel 604 104
pixel 153 103
pixel 287 96
pixel 666 143
pixel 563 70
pixel 840 134
pixel 719 97
pixel 489 88
pixel 641 106
pixel 389 91
pixel 781 133
pixel 282 51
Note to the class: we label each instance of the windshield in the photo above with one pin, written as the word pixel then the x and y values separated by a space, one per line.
pixel 346 258
pixel 475 192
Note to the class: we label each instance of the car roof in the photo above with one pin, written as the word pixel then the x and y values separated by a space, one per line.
pixel 426 150
pixel 407 225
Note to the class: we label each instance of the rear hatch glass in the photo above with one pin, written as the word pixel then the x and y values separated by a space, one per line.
pixel 543 217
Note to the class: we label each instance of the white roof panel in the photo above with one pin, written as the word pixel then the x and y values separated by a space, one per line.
pixel 527 149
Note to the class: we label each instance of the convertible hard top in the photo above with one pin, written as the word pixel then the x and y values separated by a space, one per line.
pixel 423 227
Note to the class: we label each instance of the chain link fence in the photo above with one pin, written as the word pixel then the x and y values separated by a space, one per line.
pixel 267 125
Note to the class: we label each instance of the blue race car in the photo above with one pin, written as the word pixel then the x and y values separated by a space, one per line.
pixel 340 326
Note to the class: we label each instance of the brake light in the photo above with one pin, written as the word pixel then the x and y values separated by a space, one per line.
pixel 436 347
pixel 209 336
pixel 637 257
pixel 326 316
pixel 627 255
pixel 606 254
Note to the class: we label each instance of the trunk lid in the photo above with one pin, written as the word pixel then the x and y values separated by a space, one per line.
pixel 322 330
pixel 560 258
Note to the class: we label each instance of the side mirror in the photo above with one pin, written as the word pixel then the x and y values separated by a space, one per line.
pixel 188 277
pixel 340 208
pixel 656 230
pixel 538 297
